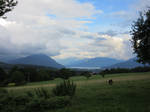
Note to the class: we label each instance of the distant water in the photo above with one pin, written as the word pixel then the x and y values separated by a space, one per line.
pixel 88 68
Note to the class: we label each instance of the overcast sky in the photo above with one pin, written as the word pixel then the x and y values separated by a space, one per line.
pixel 70 28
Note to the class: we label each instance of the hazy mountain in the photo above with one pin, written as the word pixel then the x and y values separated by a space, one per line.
pixel 94 62
pixel 131 63
pixel 68 61
pixel 7 58
pixel 37 59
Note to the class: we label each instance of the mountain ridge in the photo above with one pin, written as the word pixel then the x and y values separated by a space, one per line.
pixel 131 63
pixel 37 59
pixel 95 62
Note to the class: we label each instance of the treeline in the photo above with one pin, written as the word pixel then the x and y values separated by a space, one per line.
pixel 125 70
pixel 19 76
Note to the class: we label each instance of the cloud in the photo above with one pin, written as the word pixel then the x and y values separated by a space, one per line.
pixel 90 45
pixel 110 33
pixel 38 26
pixel 126 17
pixel 58 28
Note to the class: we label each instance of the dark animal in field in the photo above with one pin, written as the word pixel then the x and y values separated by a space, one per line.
pixel 110 82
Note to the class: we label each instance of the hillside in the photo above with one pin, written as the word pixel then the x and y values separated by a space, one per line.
pixel 37 59
pixel 5 66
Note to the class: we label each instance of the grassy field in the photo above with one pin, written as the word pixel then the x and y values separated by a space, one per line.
pixel 129 93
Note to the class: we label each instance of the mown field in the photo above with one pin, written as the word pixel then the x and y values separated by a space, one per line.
pixel 130 92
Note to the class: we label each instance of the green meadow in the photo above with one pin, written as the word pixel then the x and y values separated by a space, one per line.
pixel 130 92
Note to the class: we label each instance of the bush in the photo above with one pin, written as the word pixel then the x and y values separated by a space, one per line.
pixel 9 103
pixel 42 104
pixel 41 92
pixel 3 92
pixel 66 88
pixel 59 102
pixel 31 103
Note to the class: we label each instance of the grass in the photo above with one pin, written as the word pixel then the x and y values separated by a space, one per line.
pixel 129 93
pixel 81 80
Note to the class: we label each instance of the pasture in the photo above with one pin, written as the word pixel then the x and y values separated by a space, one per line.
pixel 130 92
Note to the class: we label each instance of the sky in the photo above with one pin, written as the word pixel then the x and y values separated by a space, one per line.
pixel 65 29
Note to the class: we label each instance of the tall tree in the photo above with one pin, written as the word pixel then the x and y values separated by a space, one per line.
pixel 6 6
pixel 2 75
pixel 141 37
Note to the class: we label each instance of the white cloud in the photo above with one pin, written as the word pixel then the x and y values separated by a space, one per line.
pixel 37 26
pixel 54 27
pixel 90 45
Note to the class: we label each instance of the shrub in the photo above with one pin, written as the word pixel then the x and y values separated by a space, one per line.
pixel 41 104
pixel 59 102
pixel 39 101
pixel 66 88
pixel 41 92
pixel 3 92
pixel 21 99
pixel 9 103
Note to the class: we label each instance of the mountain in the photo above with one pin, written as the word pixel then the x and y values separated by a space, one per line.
pixel 68 61
pixel 94 62
pixel 37 59
pixel 131 63
pixel 7 58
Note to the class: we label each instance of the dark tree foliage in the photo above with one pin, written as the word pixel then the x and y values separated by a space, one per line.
pixel 6 6
pixel 31 74
pixel 141 37
pixel 13 69
pixel 2 74
pixel 4 77
pixel 86 74
pixel 65 73
pixel 18 78
pixel 125 70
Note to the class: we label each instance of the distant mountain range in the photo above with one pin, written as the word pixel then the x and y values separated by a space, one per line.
pixel 131 63
pixel 101 62
pixel 68 61
pixel 94 62
pixel 45 61
pixel 37 59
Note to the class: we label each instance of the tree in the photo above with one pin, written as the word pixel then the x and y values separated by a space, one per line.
pixel 18 78
pixel 13 69
pixel 141 37
pixel 6 6
pixel 65 73
pixel 86 74
pixel 3 76
pixel 43 75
